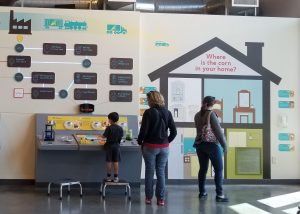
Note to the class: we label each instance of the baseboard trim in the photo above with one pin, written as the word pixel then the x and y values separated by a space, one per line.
pixel 236 181
pixel 168 182
pixel 17 181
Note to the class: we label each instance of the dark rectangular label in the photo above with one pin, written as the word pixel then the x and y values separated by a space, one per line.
pixel 43 77
pixel 19 61
pixel 85 50
pixel 121 63
pixel 120 79
pixel 54 49
pixel 120 96
pixel 85 94
pixel 42 93
pixel 85 78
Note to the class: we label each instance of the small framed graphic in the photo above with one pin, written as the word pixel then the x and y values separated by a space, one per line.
pixel 18 92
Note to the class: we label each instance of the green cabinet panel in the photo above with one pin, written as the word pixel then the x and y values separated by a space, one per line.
pixel 240 140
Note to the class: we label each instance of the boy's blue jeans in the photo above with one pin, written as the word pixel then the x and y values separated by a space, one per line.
pixel 210 151
pixel 155 159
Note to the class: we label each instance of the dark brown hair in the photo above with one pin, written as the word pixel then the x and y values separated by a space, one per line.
pixel 113 116
pixel 207 102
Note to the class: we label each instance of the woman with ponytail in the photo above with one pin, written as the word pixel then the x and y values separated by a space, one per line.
pixel 209 149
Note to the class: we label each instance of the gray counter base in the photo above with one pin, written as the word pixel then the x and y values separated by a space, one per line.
pixel 85 166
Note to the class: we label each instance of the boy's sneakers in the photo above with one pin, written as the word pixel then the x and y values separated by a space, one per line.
pixel 108 179
pixel 148 200
pixel 116 179
pixel 160 202
pixel 203 196
pixel 221 198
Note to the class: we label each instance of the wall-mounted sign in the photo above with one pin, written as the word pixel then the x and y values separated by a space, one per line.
pixel 85 50
pixel 286 147
pixel 286 93
pixel 42 93
pixel 146 89
pixel 19 61
pixel 115 29
pixel 161 44
pixel 120 79
pixel 286 104
pixel 54 49
pixel 120 96
pixel 60 24
pixel 286 136
pixel 43 77
pixel 143 101
pixel 85 94
pixel 85 78
pixel 121 63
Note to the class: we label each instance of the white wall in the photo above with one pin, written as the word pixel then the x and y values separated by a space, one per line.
pixel 281 54
pixel 17 121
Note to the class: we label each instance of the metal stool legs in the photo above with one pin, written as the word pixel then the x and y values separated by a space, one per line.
pixel 105 184
pixel 62 184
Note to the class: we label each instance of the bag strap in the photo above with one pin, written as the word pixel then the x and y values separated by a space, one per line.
pixel 162 117
pixel 208 119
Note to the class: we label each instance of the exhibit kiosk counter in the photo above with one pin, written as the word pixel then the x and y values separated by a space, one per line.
pixel 69 147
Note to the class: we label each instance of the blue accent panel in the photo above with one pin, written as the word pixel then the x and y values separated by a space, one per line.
pixel 188 146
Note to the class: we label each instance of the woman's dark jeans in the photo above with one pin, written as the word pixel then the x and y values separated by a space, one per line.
pixel 210 151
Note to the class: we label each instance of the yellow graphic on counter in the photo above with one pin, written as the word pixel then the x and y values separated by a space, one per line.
pixel 90 139
pixel 86 123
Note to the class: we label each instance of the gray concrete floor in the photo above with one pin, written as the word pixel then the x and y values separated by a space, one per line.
pixel 181 199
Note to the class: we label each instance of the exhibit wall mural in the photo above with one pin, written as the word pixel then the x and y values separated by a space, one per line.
pixel 254 96
pixel 51 61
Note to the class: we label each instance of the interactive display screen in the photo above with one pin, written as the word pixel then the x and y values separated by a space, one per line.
pixel 89 139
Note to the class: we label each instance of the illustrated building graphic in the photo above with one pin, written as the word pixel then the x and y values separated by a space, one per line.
pixel 245 111
pixel 19 27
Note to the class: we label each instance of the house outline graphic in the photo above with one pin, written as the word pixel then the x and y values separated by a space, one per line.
pixel 253 60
